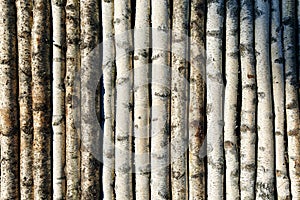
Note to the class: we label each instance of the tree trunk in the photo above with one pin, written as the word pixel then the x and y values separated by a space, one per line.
pixel 41 99
pixel 89 125
pixel 160 99
pixel 248 108
pixel 179 99
pixel 108 68
pixel 58 118
pixel 265 149
pixel 215 93
pixel 123 148
pixel 230 106
pixel 291 94
pixel 9 116
pixel 282 179
pixel 72 67
pixel 141 98
pixel 24 24
pixel 197 101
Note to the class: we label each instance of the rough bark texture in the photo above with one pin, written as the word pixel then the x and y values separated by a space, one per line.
pixel 141 99
pixel 41 99
pixel 24 24
pixel 265 149
pixel 215 93
pixel 72 67
pixel 9 116
pixel 248 108
pixel 179 99
pixel 282 179
pixel 291 94
pixel 123 148
pixel 197 101
pixel 230 106
pixel 108 68
pixel 161 83
pixel 90 69
pixel 58 117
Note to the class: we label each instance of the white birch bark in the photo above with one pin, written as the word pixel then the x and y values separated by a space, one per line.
pixel 197 101
pixel 108 68
pixel 58 117
pixel 179 99
pixel 248 108
pixel 24 25
pixel 9 114
pixel 230 104
pixel 123 141
pixel 160 187
pixel 41 99
pixel 282 179
pixel 141 99
pixel 90 70
pixel 215 93
pixel 72 67
pixel 265 149
pixel 291 94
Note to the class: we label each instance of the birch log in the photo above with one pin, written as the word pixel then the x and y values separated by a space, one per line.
pixel 24 25
pixel 161 83
pixel 72 67
pixel 291 94
pixel 215 92
pixel 90 166
pixel 265 149
pixel 282 179
pixel 108 68
pixel 248 108
pixel 58 92
pixel 41 99
pixel 9 115
pixel 179 99
pixel 197 101
pixel 141 99
pixel 123 149
pixel 230 105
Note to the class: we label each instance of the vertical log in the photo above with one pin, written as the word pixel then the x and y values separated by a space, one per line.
pixel 282 179
pixel 141 99
pixel 197 101
pixel 24 25
pixel 108 68
pixel 41 99
pixel 230 105
pixel 215 92
pixel 9 115
pixel 291 94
